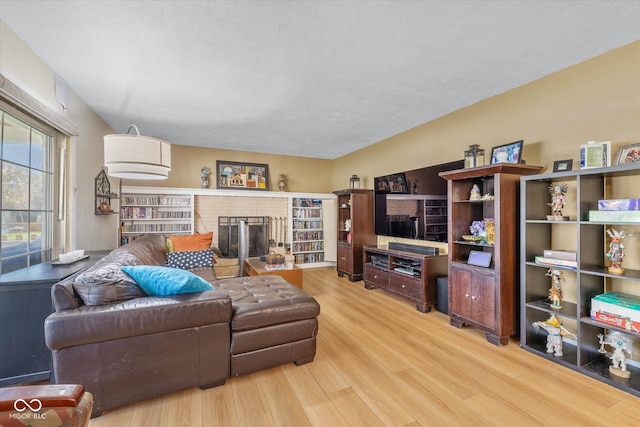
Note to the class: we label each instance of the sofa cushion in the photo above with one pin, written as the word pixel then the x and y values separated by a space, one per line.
pixel 141 316
pixel 260 301
pixel 194 242
pixel 161 281
pixel 191 259
pixel 105 282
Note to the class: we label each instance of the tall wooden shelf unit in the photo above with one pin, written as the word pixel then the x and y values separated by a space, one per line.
pixel 485 297
pixel 588 240
pixel 355 206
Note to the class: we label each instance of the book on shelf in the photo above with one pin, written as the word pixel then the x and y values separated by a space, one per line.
pixel 555 262
pixel 619 205
pixel 620 298
pixel 614 216
pixel 615 320
pixel 616 310
pixel 560 254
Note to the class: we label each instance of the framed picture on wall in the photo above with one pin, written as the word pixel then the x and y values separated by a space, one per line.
pixel 242 176
pixel 507 153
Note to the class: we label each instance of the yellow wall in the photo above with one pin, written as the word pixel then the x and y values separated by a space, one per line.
pixel 598 99
pixel 303 174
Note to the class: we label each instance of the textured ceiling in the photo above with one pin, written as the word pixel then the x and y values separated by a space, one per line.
pixel 305 78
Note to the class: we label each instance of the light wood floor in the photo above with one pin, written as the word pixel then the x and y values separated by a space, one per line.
pixel 380 362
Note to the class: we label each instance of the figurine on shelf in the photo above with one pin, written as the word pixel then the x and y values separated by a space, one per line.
pixel 347 225
pixel 616 250
pixel 555 330
pixel 475 193
pixel 555 292
pixel 557 202
pixel 282 182
pixel 620 343
pixel 204 175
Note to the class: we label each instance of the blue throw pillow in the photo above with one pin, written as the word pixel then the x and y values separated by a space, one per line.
pixel 160 280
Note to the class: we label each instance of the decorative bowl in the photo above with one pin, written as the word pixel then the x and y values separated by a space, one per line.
pixel 472 238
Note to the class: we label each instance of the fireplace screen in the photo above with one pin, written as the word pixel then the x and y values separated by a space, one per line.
pixel 228 235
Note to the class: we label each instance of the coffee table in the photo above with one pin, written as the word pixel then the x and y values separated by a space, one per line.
pixel 254 267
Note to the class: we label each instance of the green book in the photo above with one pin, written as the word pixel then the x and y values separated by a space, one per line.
pixel 614 216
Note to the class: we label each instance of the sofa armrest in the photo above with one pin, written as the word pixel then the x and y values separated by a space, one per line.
pixel 140 316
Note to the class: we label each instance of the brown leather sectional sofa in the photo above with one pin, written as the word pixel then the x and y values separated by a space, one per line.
pixel 126 347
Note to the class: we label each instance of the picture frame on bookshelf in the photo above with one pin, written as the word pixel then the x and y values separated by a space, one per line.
pixel 628 154
pixel 242 176
pixel 562 165
pixel 507 153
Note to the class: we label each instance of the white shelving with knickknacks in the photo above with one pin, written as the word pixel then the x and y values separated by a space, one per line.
pixel 155 213
pixel 566 274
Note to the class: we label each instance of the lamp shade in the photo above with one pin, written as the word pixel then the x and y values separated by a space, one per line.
pixel 137 157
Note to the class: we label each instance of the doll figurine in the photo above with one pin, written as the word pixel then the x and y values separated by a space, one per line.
pixel 282 182
pixel 204 175
pixel 620 344
pixel 555 293
pixel 616 250
pixel 475 193
pixel 557 201
pixel 555 330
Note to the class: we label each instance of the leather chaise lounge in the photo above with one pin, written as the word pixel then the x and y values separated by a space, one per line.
pixel 125 347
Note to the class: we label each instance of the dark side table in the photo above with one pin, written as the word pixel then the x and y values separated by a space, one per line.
pixel 25 301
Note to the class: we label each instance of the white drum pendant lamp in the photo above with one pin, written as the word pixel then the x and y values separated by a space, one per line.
pixel 136 156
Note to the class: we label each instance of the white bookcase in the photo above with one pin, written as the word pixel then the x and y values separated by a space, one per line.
pixel 308 243
pixel 154 211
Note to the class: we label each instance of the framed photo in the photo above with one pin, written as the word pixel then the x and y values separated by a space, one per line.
pixel 628 154
pixel 508 153
pixel 562 165
pixel 242 176
pixel 395 183
pixel 595 155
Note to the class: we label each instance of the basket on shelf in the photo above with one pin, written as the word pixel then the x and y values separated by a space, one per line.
pixel 273 258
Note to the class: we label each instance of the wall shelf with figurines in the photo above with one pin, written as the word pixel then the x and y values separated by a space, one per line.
pixel 580 271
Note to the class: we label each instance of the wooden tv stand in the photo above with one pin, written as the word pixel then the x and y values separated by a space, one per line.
pixel 410 275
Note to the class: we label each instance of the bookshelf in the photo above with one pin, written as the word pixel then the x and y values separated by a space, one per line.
pixel 589 277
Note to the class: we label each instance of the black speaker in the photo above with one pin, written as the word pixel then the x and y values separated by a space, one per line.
pixel 442 297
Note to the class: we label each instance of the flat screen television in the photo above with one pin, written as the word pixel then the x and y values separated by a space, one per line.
pixel 413 204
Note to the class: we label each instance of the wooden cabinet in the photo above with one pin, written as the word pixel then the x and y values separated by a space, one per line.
pixel 474 296
pixel 407 274
pixel 485 297
pixel 589 241
pixel 355 230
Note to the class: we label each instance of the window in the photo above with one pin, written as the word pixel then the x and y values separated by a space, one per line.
pixel 26 192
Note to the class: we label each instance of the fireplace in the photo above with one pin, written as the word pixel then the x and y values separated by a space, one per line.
pixel 228 227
